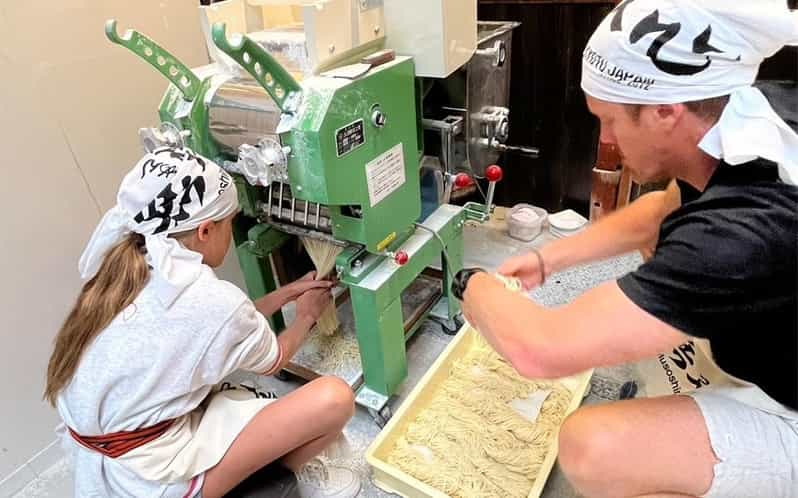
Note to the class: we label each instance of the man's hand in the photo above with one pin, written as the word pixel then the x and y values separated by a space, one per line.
pixel 525 268
pixel 311 304
pixel 292 291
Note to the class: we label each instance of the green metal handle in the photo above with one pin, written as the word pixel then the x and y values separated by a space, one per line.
pixel 280 85
pixel 175 71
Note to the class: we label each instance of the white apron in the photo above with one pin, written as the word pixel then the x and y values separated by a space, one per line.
pixel 197 441
pixel 690 367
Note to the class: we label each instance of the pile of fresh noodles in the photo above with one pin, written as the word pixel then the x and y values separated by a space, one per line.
pixel 470 442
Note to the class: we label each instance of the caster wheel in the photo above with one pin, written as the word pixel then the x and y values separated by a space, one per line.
pixel 381 417
pixel 458 324
pixel 283 376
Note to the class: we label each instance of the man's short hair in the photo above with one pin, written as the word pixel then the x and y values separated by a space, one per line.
pixel 707 110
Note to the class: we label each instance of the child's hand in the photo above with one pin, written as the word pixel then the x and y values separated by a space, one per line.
pixel 312 303
pixel 295 289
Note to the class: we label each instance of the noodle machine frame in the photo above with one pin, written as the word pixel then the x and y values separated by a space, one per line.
pixel 336 157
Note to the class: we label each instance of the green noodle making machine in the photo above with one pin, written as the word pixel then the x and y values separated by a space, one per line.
pixel 337 157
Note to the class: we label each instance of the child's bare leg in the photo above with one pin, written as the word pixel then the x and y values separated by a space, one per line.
pixel 296 427
pixel 297 458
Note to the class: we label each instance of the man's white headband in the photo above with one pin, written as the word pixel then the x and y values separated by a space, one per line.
pixel 673 51
pixel 676 51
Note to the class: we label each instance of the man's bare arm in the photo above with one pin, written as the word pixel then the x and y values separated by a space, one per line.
pixel 600 328
pixel 635 227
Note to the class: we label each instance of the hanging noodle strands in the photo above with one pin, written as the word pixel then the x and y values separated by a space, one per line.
pixel 323 255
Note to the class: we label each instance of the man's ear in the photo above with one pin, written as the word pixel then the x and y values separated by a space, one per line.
pixel 205 229
pixel 667 116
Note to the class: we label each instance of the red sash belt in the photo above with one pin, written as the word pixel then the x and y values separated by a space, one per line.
pixel 117 444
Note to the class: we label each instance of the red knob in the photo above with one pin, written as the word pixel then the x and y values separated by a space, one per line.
pixel 401 258
pixel 494 173
pixel 462 180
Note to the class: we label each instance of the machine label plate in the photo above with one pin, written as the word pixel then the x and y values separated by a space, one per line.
pixel 350 137
pixel 385 174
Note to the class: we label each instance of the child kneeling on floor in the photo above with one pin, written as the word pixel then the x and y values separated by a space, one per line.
pixel 154 331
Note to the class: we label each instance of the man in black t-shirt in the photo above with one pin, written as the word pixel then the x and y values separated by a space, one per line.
pixel 670 82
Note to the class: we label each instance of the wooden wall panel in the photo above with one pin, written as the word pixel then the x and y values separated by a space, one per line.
pixel 547 104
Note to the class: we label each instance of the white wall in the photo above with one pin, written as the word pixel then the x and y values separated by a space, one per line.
pixel 70 106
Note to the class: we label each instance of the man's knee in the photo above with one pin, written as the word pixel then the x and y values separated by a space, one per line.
pixel 586 447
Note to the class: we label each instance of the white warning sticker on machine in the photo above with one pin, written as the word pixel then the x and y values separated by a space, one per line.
pixel 385 174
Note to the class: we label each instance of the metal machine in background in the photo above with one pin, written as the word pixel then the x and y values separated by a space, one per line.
pixel 337 156
pixel 467 116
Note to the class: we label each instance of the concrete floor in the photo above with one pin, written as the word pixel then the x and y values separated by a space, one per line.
pixel 485 247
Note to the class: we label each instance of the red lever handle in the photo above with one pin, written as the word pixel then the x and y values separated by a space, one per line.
pixel 401 258
pixel 462 180
pixel 494 173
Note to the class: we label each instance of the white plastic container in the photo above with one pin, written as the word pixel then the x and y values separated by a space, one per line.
pixel 566 223
pixel 525 222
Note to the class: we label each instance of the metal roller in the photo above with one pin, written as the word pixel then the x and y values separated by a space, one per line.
pixel 241 112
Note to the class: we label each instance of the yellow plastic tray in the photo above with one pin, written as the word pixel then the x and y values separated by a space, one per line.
pixel 392 479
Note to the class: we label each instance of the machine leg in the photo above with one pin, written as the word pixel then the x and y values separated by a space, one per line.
pixel 381 337
pixel 257 270
pixel 454 263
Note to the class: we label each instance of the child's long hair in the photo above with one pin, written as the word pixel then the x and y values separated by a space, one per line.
pixel 122 275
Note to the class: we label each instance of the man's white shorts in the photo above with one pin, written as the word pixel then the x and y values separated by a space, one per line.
pixel 757 451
